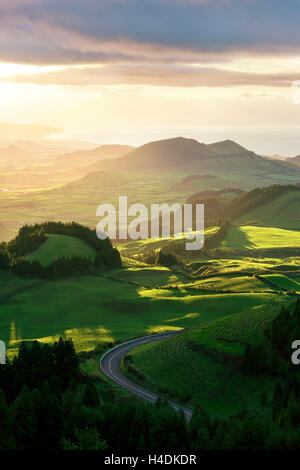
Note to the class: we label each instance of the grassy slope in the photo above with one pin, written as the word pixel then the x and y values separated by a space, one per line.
pixel 283 212
pixel 88 309
pixel 61 245
pixel 209 374
pixel 142 275
pixel 10 284
pixel 78 203
pixel 283 281
pixel 250 237
pixel 232 283
pixel 138 246
pixel 213 182
pixel 236 265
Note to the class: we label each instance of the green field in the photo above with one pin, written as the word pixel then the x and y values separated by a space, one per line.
pixel 229 283
pixel 93 309
pixel 197 378
pixel 201 366
pixel 11 284
pixel 282 281
pixel 246 265
pixel 57 246
pixel 147 275
pixel 223 302
pixel 252 238
pixel 142 299
pixel 140 246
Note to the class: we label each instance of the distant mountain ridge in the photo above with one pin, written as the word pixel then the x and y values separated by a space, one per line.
pixel 294 160
pixel 177 151
pixel 189 154
pixel 83 158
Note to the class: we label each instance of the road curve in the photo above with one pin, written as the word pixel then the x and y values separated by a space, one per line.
pixel 110 366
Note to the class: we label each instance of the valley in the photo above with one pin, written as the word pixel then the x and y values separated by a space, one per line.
pixel 223 296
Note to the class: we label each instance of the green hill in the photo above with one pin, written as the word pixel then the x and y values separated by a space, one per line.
pixel 95 182
pixel 223 194
pixel 201 367
pixel 272 206
pixel 57 246
pixel 283 282
pixel 260 238
pixel 282 212
pixel 205 182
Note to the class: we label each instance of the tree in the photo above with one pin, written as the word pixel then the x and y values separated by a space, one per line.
pixel 6 435
pixel 91 397
pixel 23 420
pixel 48 416
pixel 86 439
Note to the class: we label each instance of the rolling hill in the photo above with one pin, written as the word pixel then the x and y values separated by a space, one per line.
pixel 94 182
pixel 61 245
pixel 272 206
pixel 282 212
pixel 294 160
pixel 88 157
pixel 247 237
pixel 201 366
pixel 206 181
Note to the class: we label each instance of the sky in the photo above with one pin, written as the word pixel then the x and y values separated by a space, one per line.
pixel 130 71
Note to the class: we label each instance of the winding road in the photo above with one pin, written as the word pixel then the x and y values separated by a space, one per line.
pixel 110 366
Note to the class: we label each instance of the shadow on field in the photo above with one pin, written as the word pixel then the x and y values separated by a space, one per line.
pixel 240 240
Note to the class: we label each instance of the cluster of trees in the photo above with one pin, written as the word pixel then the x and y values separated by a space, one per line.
pixel 30 237
pixel 216 238
pixel 273 354
pixel 31 390
pixel 165 257
pixel 174 252
pixel 58 268
pixel 208 193
pixel 74 229
pixel 36 363
pixel 46 403
pixel 147 256
pixel 215 209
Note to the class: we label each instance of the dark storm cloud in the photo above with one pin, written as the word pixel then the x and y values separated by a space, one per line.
pixel 124 35
pixel 203 26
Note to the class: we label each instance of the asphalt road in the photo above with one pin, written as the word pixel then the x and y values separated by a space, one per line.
pixel 110 366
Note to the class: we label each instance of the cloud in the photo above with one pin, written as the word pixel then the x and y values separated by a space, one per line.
pixel 148 41
pixel 156 75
